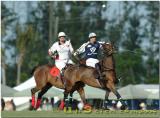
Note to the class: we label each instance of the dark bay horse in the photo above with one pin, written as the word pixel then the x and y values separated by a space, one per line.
pixel 86 75
pixel 44 81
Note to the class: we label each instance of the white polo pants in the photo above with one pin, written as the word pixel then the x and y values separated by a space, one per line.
pixel 91 62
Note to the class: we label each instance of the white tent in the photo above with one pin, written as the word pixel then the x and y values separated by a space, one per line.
pixel 7 91
pixel 50 93
pixel 140 91
pixel 30 83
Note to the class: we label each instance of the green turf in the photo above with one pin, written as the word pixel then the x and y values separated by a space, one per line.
pixel 88 114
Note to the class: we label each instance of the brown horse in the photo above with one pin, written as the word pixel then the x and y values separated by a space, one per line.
pixel 74 74
pixel 44 81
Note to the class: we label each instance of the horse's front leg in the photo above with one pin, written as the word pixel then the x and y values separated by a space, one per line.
pixel 82 94
pixel 106 101
pixel 111 86
pixel 120 99
pixel 68 89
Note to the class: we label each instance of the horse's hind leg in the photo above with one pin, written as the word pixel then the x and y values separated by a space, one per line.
pixel 41 93
pixel 33 91
pixel 105 104
pixel 66 100
pixel 71 98
pixel 68 89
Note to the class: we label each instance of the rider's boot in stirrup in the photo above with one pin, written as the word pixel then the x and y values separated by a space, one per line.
pixel 98 70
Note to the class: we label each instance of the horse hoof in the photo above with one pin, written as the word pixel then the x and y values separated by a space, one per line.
pixel 31 108
pixel 34 109
pixel 123 107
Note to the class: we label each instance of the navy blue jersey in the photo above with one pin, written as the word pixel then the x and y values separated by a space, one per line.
pixel 91 50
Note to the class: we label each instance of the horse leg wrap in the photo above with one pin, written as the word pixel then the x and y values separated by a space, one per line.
pixel 33 101
pixel 118 95
pixel 106 104
pixel 70 101
pixel 66 103
pixel 120 98
pixel 123 103
pixel 38 103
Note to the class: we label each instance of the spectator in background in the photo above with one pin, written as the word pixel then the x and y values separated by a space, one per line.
pixel 2 104
pixel 8 106
pixel 52 102
pixel 13 104
pixel 30 104
pixel 46 105
pixel 143 106
pixel 114 105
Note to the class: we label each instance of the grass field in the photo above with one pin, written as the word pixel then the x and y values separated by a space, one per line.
pixel 82 114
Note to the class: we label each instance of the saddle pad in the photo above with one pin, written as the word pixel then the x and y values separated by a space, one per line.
pixel 54 71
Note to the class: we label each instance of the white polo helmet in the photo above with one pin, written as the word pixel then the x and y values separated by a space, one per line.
pixel 92 35
pixel 61 34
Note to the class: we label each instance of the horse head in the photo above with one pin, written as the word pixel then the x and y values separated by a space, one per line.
pixel 108 49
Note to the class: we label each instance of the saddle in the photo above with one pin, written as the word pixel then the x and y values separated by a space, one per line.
pixel 56 74
pixel 54 71
pixel 96 73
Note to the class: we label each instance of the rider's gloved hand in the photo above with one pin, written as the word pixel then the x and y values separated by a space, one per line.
pixel 50 53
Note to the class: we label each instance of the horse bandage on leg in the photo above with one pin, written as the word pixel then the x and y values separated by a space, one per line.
pixel 33 101
pixel 38 103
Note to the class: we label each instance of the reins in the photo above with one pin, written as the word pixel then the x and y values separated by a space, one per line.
pixel 106 55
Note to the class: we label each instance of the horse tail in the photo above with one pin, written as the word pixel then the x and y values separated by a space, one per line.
pixel 32 71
